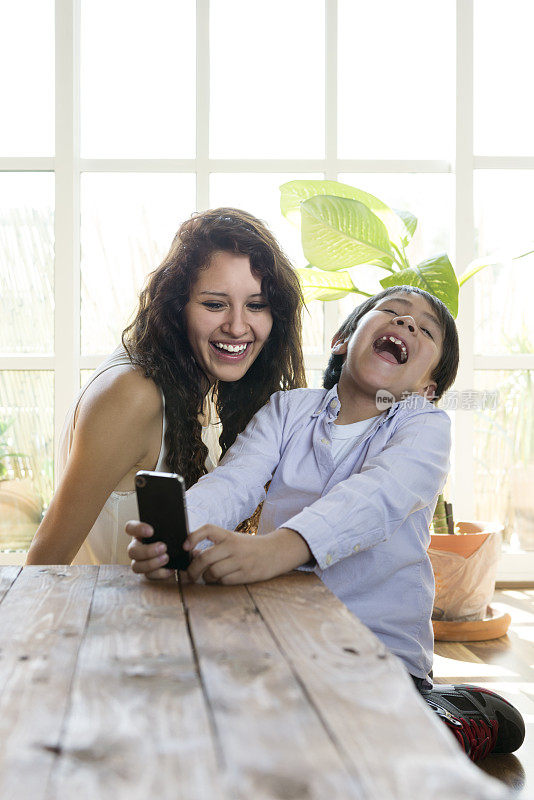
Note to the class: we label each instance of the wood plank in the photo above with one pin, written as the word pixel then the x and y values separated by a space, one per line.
pixel 457 661
pixel 8 576
pixel 42 620
pixel 273 743
pixel 137 726
pixel 380 723
pixel 511 651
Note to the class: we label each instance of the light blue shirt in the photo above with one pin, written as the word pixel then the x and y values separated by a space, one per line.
pixel 366 521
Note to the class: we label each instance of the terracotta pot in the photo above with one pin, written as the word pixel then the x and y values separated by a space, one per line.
pixel 465 567
pixel 471 535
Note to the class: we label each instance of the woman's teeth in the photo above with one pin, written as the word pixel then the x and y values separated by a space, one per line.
pixel 231 348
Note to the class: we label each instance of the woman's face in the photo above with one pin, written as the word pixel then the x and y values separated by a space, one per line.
pixel 228 319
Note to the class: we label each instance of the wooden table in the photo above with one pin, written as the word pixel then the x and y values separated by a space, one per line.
pixel 114 687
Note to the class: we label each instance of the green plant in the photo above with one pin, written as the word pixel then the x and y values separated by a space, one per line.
pixel 344 227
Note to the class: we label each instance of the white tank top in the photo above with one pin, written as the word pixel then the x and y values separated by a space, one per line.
pixel 106 542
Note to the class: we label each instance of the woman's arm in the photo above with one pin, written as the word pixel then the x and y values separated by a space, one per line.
pixel 117 421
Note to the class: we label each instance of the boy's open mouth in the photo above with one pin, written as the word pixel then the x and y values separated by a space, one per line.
pixel 391 349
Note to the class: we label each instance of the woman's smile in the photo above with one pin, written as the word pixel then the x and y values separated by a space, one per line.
pixel 230 351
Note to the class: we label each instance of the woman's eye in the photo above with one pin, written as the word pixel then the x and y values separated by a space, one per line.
pixel 390 311
pixel 214 305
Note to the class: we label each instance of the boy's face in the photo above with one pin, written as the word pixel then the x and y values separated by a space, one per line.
pixel 373 361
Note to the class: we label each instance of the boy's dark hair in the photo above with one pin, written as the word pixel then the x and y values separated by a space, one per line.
pixel 444 373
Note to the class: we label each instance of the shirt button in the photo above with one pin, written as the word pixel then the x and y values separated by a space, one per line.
pixel 356 548
pixel 324 441
pixel 333 403
pixel 328 559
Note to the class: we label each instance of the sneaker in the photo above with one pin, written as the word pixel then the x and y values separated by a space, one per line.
pixel 482 721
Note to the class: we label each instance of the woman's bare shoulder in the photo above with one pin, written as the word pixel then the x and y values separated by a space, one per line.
pixel 125 390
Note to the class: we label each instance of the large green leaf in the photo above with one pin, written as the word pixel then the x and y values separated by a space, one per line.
pixel 319 285
pixel 338 233
pixel 294 193
pixel 435 276
pixel 410 224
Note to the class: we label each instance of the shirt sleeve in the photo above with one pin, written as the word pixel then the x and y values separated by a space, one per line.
pixel 231 493
pixel 368 507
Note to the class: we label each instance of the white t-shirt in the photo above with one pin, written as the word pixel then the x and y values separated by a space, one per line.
pixel 344 437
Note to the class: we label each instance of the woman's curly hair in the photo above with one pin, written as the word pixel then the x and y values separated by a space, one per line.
pixel 158 344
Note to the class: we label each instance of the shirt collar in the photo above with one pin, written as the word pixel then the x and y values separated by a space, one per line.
pixel 330 404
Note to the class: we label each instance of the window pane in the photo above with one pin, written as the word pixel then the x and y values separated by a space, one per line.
pixel 504 208
pixel 503 69
pixel 26 262
pixel 504 455
pixel 27 85
pixel 128 223
pixel 430 197
pixel 26 454
pixel 313 328
pixel 267 79
pixel 138 79
pixel 396 68
pixel 259 195
pixel 314 378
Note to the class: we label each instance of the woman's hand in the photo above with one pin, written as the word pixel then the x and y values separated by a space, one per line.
pixel 147 559
pixel 241 558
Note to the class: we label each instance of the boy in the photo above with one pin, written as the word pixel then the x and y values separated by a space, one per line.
pixel 352 494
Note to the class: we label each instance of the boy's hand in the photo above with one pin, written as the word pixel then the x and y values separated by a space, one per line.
pixel 147 559
pixel 241 558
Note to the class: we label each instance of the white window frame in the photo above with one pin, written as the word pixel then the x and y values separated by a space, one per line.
pixel 66 362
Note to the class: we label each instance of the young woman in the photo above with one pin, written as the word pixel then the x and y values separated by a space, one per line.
pixel 217 331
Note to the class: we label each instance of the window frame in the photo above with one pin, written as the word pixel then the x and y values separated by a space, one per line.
pixel 66 361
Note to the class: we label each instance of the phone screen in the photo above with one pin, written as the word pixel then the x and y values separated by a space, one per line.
pixel 161 503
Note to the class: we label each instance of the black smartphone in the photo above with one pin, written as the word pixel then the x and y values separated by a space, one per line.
pixel 161 503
